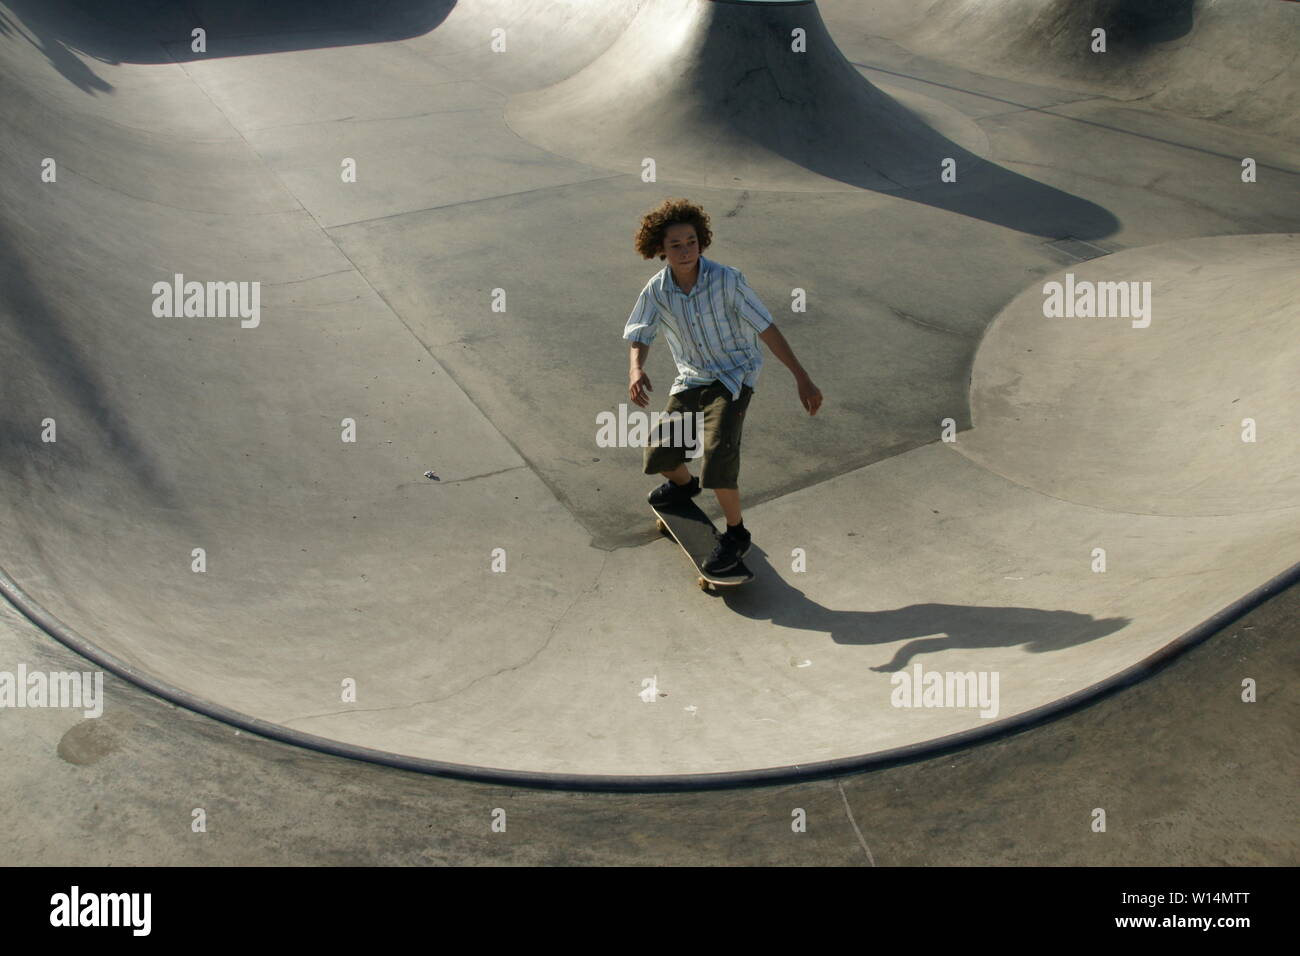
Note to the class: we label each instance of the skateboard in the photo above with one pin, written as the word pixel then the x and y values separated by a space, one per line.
pixel 696 534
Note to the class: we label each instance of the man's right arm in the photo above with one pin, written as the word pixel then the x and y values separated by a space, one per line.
pixel 642 326
pixel 638 382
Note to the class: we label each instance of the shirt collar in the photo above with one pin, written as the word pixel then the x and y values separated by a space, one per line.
pixel 704 268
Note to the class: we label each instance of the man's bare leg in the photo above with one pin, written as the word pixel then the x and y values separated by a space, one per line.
pixel 729 499
pixel 681 475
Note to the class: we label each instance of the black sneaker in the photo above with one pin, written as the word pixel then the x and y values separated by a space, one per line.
pixel 669 494
pixel 731 547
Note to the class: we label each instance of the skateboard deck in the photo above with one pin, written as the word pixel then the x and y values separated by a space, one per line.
pixel 696 534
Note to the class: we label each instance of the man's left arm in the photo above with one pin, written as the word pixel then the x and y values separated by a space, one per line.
pixel 751 310
pixel 810 396
pixel 775 341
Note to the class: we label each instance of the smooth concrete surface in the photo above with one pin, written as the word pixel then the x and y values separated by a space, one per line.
pixel 332 562
pixel 1234 61
pixel 718 98
pixel 1139 440
pixel 1188 774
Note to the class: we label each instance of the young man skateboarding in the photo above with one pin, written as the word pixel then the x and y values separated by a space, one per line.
pixel 712 319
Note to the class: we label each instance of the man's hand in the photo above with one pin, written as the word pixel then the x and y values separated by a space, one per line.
pixel 638 386
pixel 809 394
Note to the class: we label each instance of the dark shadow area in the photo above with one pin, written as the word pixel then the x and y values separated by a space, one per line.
pixel 1137 24
pixel 1077 120
pixel 931 627
pixel 39 29
pixel 829 119
pixel 159 31
pixel 819 112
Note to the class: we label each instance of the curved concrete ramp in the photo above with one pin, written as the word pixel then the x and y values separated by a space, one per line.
pixel 755 95
pixel 233 510
pixel 731 94
pixel 1176 396
pixel 1234 61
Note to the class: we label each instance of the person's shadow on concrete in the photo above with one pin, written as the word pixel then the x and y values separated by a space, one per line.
pixel 932 627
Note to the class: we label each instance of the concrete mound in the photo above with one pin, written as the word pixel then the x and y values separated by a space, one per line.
pixel 1233 61
pixel 725 94
pixel 1149 414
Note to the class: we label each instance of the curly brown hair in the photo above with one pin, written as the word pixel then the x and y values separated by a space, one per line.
pixel 650 235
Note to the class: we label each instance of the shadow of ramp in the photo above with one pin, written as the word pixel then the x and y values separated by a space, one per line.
pixel 716 94
pixel 1142 23
pixel 1231 62
pixel 1066 26
pixel 136 31
pixel 990 193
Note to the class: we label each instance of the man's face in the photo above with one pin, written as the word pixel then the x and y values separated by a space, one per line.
pixel 681 245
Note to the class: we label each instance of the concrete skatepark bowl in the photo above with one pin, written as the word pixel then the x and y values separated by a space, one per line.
pixel 1050 505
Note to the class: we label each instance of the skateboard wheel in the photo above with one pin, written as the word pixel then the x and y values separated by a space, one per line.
pixel 704 585
pixel 660 526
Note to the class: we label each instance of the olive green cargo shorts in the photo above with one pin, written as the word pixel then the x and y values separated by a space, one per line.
pixel 724 419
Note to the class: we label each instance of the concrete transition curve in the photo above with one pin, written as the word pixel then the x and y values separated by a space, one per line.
pixel 731 94
pixel 232 509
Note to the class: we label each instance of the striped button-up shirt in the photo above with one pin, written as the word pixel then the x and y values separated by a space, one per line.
pixel 712 330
